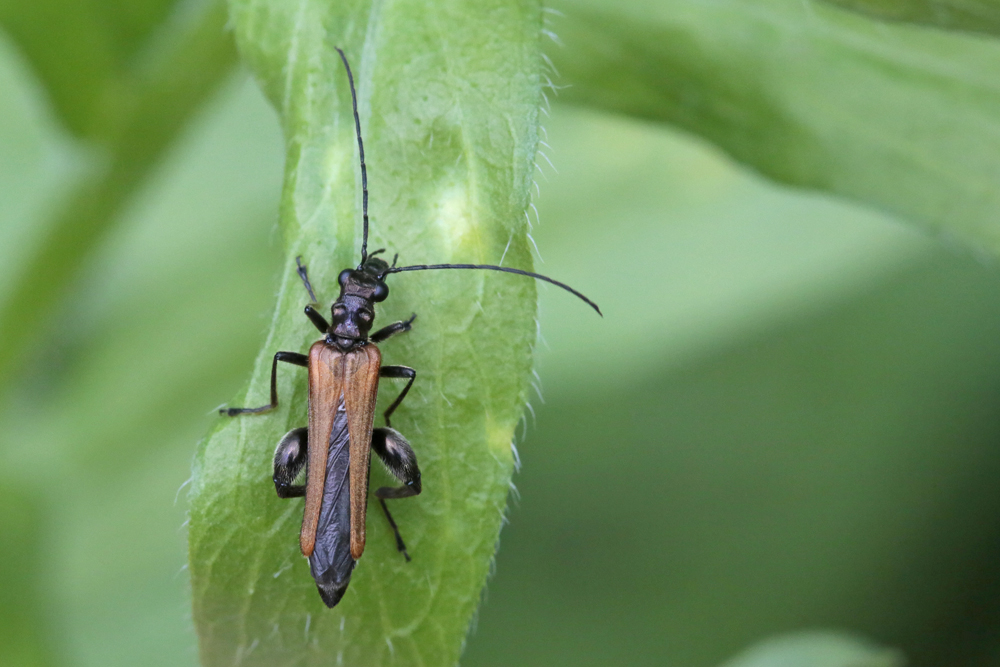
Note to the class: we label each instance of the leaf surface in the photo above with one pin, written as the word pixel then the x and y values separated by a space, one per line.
pixel 972 15
pixel 124 77
pixel 899 117
pixel 817 649
pixel 448 97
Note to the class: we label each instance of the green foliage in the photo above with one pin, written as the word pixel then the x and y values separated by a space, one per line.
pixel 973 15
pixel 126 81
pixel 135 264
pixel 450 138
pixel 795 428
pixel 900 118
pixel 816 649
pixel 21 632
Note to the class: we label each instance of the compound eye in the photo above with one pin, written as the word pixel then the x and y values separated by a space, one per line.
pixel 381 292
pixel 344 276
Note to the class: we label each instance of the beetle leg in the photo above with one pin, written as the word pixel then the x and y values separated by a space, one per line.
pixel 397 372
pixel 314 316
pixel 287 357
pixel 397 455
pixel 393 329
pixel 289 457
pixel 318 320
pixel 304 274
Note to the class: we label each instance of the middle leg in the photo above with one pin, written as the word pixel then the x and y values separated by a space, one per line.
pixel 288 358
pixel 397 372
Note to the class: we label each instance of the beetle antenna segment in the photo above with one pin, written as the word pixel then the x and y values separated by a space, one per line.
pixel 490 267
pixel 361 154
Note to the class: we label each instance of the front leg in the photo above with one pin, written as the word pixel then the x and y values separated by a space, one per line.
pixel 304 275
pixel 397 455
pixel 288 358
pixel 318 320
pixel 397 372
pixel 393 329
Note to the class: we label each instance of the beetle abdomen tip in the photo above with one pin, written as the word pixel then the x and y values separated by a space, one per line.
pixel 332 593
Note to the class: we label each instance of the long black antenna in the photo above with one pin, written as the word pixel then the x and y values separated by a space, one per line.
pixel 490 267
pixel 361 152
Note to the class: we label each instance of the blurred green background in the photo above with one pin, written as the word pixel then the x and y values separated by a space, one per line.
pixel 787 419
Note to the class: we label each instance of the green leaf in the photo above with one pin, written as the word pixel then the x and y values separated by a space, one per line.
pixel 901 118
pixel 449 98
pixel 971 15
pixel 21 571
pixel 83 52
pixel 817 649
pixel 130 124
pixel 112 415
pixel 96 58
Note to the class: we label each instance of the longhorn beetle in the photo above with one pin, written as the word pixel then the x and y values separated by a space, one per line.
pixel 344 368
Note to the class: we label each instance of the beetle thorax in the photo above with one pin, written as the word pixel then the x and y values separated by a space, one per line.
pixel 353 316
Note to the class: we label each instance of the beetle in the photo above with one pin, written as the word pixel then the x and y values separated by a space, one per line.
pixel 344 368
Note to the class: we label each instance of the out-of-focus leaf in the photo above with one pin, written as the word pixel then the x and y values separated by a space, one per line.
pixel 182 63
pixel 40 162
pixel 902 118
pixel 22 620
pixel 166 318
pixel 971 15
pixel 448 96
pixel 817 649
pixel 714 252
pixel 837 470
pixel 88 55
pixel 795 425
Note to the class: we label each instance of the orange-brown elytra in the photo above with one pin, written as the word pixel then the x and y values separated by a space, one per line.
pixel 344 370
pixel 328 370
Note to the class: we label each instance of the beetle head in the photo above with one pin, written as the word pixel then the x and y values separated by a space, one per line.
pixel 354 310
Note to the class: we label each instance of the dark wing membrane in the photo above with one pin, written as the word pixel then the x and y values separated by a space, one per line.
pixel 360 393
pixel 326 381
pixel 331 562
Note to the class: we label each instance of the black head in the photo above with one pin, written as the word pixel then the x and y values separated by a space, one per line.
pixel 353 313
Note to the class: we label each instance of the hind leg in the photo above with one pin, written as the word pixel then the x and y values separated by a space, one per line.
pixel 289 457
pixel 397 455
